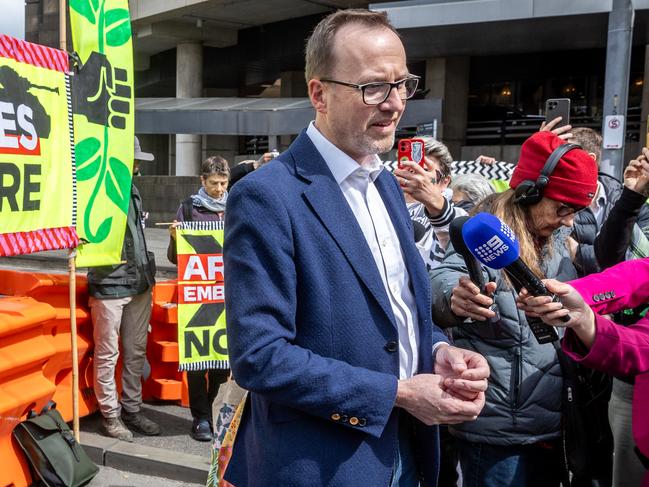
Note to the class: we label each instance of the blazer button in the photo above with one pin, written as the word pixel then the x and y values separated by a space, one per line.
pixel 335 417
pixel 392 346
pixel 343 418
pixel 362 422
pixel 596 297
pixel 353 420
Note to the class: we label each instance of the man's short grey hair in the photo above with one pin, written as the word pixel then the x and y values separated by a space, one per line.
pixel 435 148
pixel 319 46
pixel 474 186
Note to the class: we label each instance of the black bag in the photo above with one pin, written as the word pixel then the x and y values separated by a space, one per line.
pixel 52 451
pixel 587 441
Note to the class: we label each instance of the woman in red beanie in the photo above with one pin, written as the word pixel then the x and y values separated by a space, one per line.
pixel 516 439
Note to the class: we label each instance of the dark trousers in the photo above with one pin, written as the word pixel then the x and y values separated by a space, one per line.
pixel 485 465
pixel 203 386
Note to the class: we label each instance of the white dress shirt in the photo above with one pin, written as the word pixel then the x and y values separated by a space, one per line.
pixel 357 185
pixel 598 204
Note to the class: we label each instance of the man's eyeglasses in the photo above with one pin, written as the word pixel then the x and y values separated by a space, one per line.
pixel 565 209
pixel 376 93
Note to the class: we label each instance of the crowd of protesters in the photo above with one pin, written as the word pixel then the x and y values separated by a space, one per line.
pixel 341 280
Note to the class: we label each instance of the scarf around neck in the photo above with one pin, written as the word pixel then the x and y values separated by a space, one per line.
pixel 202 199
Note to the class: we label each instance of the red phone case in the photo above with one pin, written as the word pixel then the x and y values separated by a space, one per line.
pixel 410 150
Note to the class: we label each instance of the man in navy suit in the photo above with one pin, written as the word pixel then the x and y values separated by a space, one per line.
pixel 328 301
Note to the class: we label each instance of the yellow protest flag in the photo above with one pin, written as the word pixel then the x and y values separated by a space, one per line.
pixel 37 185
pixel 102 95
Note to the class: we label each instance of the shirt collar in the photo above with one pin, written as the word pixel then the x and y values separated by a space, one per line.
pixel 600 199
pixel 340 164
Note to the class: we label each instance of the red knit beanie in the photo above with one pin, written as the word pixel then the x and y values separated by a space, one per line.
pixel 574 179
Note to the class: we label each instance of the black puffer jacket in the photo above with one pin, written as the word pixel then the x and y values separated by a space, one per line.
pixel 586 228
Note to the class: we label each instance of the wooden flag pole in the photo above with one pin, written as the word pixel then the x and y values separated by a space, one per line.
pixel 73 338
pixel 72 270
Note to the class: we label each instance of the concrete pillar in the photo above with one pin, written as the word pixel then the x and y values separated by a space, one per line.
pixel 189 84
pixel 616 85
pixel 448 78
pixel 645 100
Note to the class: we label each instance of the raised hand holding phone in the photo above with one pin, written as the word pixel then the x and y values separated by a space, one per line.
pixel 418 177
pixel 411 150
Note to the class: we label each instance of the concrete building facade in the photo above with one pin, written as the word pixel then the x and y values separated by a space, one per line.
pixel 492 63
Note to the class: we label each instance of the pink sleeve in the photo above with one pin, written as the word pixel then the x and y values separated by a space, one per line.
pixel 617 350
pixel 623 286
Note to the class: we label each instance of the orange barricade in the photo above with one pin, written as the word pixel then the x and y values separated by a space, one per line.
pixel 165 381
pixel 53 289
pixel 23 353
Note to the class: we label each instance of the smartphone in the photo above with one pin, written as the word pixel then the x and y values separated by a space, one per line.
pixel 557 107
pixel 410 150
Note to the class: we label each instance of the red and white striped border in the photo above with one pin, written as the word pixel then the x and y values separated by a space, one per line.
pixel 35 241
pixel 34 54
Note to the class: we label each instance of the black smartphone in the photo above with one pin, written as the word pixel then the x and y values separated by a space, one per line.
pixel 557 107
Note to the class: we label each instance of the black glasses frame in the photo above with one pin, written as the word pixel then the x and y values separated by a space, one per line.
pixel 565 210
pixel 364 86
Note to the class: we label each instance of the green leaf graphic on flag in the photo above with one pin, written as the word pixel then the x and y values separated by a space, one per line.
pixel 88 158
pixel 103 124
pixel 118 27
pixel 86 8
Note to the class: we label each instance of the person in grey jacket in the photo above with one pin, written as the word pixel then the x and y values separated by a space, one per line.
pixel 120 306
pixel 515 439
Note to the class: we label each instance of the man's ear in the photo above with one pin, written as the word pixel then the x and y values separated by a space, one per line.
pixel 593 156
pixel 317 95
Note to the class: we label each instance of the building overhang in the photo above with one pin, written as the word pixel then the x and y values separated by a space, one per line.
pixel 432 28
pixel 248 116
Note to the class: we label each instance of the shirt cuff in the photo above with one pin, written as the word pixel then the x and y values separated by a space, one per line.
pixel 436 346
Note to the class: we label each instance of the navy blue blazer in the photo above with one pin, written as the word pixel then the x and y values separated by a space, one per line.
pixel 311 332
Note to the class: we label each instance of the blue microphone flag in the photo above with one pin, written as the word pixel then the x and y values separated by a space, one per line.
pixel 491 241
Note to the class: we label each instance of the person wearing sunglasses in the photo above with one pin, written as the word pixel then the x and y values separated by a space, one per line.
pixel 516 441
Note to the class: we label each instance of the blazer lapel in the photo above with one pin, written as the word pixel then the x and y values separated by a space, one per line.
pixel 330 206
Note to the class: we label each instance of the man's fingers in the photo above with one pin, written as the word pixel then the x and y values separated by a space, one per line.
pixel 452 356
pixel 466 385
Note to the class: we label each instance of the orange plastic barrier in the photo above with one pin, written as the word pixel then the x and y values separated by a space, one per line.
pixel 165 381
pixel 23 353
pixel 53 289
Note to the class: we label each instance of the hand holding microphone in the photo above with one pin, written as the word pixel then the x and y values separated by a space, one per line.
pixel 581 316
pixel 471 297
pixel 493 243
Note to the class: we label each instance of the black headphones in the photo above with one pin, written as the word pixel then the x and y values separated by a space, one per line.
pixel 530 192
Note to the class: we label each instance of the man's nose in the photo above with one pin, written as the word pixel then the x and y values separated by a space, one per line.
pixel 393 101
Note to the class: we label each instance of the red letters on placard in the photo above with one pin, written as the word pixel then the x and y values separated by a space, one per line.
pixel 200 278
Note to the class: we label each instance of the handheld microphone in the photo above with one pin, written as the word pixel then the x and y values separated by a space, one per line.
pixel 494 244
pixel 472 264
pixel 455 235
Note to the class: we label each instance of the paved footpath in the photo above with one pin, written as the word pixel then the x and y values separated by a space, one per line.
pixel 110 477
